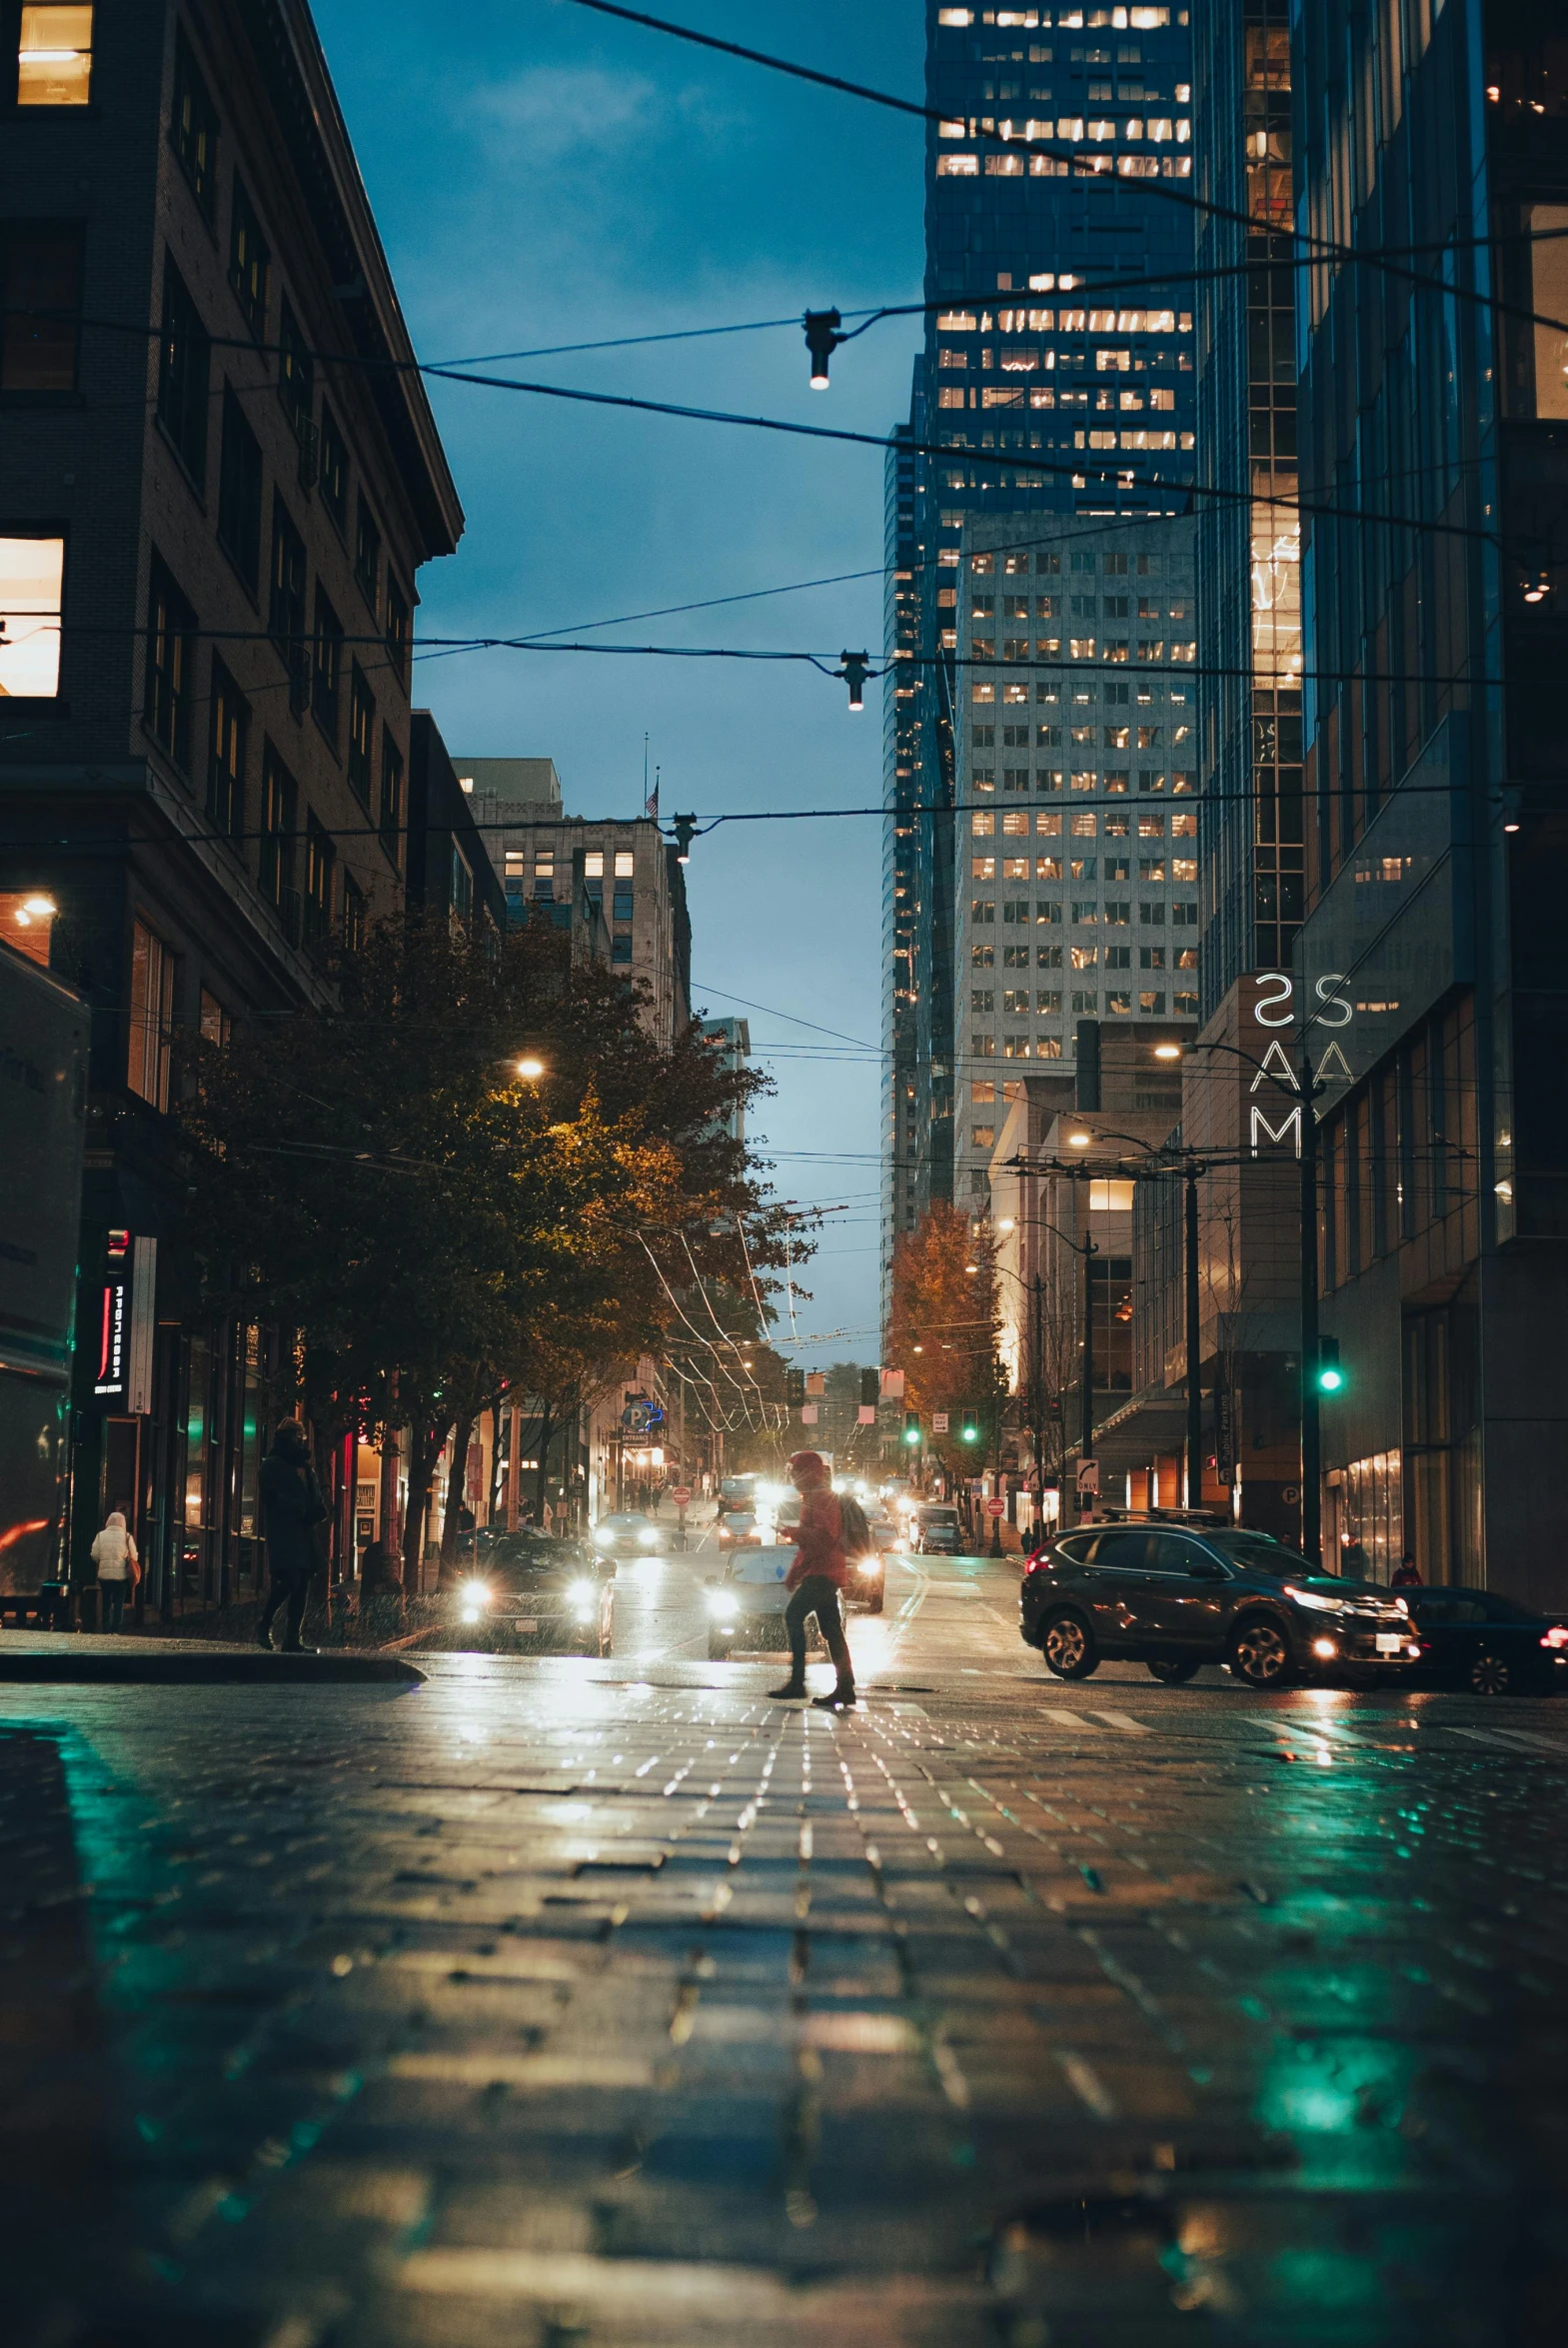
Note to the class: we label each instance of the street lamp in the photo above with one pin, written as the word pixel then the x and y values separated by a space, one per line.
pixel 530 1068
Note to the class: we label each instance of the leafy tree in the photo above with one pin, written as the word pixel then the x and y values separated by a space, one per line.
pixel 944 1328
pixel 380 1177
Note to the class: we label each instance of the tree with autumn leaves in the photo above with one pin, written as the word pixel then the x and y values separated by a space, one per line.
pixel 441 1228
pixel 944 1330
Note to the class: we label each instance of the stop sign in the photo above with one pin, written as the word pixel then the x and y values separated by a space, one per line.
pixel 996 1507
pixel 681 1494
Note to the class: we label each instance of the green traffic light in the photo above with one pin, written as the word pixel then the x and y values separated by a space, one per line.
pixel 1330 1381
pixel 972 1433
pixel 911 1435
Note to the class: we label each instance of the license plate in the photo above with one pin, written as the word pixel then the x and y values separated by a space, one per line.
pixel 1389 1642
pixel 531 1622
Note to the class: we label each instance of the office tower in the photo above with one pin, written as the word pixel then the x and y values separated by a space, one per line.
pixel 209 540
pixel 1077 881
pixel 1249 540
pixel 618 887
pixel 1435 460
pixel 1060 129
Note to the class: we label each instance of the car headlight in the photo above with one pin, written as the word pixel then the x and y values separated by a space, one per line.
pixel 476 1594
pixel 582 1593
pixel 870 1564
pixel 720 1602
pixel 1311 1599
pixel 647 1539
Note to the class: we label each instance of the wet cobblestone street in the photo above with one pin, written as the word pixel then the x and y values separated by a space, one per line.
pixel 610 2003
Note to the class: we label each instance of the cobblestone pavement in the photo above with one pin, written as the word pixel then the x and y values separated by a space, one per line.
pixel 607 2004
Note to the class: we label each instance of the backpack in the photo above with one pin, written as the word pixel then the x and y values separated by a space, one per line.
pixel 853 1530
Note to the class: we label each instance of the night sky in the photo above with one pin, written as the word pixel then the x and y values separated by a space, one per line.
pixel 542 175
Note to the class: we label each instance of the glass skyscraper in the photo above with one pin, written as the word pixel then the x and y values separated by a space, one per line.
pixel 1055 123
pixel 1248 575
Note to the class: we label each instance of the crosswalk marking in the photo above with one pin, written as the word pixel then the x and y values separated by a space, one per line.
pixel 1124 1720
pixel 1512 1741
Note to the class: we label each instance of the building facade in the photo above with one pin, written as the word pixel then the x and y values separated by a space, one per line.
pixel 449 867
pixel 209 538
pixel 1077 837
pixel 1043 179
pixel 630 878
pixel 1434 467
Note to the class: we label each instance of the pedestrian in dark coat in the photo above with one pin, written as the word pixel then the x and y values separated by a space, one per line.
pixel 292 1508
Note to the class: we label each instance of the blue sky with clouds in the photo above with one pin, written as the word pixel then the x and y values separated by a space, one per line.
pixel 543 175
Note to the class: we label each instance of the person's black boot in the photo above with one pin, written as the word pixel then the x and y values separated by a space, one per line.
pixel 791 1692
pixel 841 1698
pixel 264 1636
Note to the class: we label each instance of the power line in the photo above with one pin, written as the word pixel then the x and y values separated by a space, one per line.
pixel 1316 250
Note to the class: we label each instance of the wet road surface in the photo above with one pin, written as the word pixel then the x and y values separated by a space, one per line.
pixel 604 2002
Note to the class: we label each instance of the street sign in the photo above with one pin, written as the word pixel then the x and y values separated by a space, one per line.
pixel 1089 1476
pixel 682 1496
pixel 939 1423
pixel 996 1507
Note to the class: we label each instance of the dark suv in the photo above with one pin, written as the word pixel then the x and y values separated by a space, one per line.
pixel 1175 1596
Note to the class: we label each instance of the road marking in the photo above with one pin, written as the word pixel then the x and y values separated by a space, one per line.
pixel 1089 2085
pixel 1511 1741
pixel 1055 1713
pixel 1126 1721
pixel 521 2070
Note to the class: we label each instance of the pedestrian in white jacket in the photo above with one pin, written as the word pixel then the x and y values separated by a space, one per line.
pixel 119 1570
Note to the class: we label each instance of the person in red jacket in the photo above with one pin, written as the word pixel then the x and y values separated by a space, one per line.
pixel 815 1580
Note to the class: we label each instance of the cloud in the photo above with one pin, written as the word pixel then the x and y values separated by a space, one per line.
pixel 564 112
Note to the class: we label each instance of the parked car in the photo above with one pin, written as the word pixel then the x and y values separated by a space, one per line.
pixel 1175 1597
pixel 1471 1638
pixel 628 1537
pixel 532 1592
pixel 939 1531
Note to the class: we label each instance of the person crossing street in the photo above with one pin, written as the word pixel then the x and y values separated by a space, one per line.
pixel 816 1583
pixel 292 1508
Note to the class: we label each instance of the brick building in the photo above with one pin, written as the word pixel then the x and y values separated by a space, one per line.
pixel 219 476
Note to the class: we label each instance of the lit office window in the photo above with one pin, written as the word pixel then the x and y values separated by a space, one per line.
pixel 151 1016
pixel 54 64
pixel 31 569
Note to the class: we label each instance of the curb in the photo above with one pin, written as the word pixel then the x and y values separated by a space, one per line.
pixel 147 1667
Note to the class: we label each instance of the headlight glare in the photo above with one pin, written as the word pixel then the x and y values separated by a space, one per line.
pixel 1311 1599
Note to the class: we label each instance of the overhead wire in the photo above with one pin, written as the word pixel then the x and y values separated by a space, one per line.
pixel 1317 250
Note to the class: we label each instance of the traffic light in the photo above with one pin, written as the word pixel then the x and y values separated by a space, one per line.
pixel 911 1427
pixel 1329 1377
pixel 971 1428
pixel 795 1390
pixel 870 1388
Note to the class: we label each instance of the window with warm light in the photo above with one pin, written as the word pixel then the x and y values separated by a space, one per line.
pixel 31 572
pixel 151 1016
pixel 626 864
pixel 27 922
pixel 54 63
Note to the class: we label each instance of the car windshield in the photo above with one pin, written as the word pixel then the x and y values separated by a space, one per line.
pixel 518 1562
pixel 1258 1555
pixel 622 1525
pixel 939 1515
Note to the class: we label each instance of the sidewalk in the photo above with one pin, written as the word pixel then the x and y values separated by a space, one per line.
pixel 92 1657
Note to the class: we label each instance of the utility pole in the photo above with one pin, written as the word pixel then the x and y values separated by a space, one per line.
pixel 1312 1443
pixel 1086 1440
pixel 1195 1349
pixel 1037 1400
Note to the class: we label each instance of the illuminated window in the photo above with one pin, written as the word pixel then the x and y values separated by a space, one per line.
pixel 1110 1198
pixel 982 826
pixel 151 1016
pixel 625 863
pixel 957 167
pixel 54 64
pixel 27 921
pixel 31 569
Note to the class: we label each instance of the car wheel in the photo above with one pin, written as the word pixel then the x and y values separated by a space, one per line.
pixel 1068 1647
pixel 1260 1653
pixel 1169 1671
pixel 1488 1675
pixel 875 1604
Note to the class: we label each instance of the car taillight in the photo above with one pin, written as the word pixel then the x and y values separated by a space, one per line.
pixel 1557 1636
pixel 1035 1566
